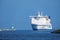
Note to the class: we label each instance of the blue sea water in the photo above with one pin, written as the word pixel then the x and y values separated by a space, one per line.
pixel 28 35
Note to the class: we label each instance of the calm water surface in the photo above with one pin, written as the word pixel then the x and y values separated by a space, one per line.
pixel 28 35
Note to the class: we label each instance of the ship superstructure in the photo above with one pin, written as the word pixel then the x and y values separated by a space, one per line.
pixel 41 22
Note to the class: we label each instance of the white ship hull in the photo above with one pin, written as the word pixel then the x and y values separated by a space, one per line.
pixel 39 27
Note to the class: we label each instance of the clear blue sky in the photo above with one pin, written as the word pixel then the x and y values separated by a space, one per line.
pixel 17 12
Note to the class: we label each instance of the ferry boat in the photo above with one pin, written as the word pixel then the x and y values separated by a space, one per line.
pixel 40 22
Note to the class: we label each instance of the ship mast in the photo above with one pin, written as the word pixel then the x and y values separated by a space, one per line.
pixel 39 14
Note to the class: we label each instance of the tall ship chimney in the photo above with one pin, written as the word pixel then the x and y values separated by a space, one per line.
pixel 40 22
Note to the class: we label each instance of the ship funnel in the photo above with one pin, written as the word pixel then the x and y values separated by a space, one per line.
pixel 39 14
